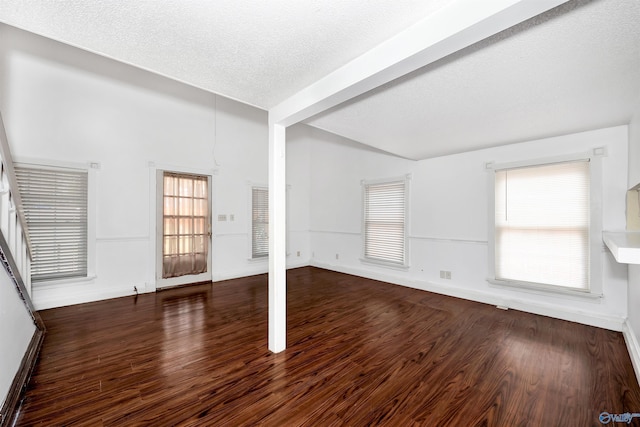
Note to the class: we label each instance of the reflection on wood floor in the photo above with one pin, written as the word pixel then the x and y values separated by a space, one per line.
pixel 360 353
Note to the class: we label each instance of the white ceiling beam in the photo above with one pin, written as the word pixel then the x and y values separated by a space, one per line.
pixel 450 29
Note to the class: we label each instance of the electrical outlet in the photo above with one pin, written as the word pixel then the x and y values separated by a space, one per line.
pixel 337 256
pixel 298 253
pixel 447 275
pixel 442 274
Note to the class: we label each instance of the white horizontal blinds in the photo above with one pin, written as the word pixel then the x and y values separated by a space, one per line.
pixel 55 207
pixel 384 222
pixel 542 224
pixel 259 222
pixel 186 224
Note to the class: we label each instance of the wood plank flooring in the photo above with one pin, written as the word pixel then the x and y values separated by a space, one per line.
pixel 360 353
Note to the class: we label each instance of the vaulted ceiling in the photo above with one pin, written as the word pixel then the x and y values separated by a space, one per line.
pixel 573 68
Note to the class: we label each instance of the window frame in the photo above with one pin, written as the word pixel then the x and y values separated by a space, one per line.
pixel 405 264
pixel 595 225
pixel 91 168
pixel 252 255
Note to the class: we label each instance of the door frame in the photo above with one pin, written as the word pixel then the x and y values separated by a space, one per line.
pixel 154 272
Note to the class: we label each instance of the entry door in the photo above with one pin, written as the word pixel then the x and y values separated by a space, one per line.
pixel 184 229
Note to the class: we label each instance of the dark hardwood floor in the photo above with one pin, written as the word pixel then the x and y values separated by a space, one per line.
pixel 360 353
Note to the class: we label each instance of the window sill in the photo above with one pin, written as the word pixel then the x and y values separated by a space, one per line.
pixel 541 289
pixel 624 246
pixel 392 265
pixel 63 282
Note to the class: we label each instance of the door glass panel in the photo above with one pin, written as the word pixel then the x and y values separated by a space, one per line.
pixel 186 224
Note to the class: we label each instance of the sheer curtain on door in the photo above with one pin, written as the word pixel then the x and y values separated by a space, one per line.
pixel 185 221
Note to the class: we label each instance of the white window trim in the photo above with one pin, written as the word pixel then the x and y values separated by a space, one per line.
pixel 407 191
pixel 250 186
pixel 154 273
pixel 251 258
pixel 595 228
pixel 191 277
pixel 92 169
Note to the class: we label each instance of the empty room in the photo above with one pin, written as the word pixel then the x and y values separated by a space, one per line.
pixel 320 213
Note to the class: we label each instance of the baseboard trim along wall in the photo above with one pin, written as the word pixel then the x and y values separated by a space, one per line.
pixel 228 275
pixel 633 346
pixel 586 318
pixel 80 293
pixel 21 380
pixel 608 322
pixel 59 298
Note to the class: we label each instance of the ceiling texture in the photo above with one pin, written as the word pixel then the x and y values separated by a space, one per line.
pixel 571 69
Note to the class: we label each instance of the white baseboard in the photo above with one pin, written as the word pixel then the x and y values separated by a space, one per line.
pixel 631 339
pixel 521 304
pixel 79 293
pixel 298 264
pixel 262 269
pixel 228 275
pixel 44 301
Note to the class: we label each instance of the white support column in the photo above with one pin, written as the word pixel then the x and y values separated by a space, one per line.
pixel 277 239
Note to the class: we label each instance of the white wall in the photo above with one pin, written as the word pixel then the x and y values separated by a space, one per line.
pixel 299 197
pixel 634 148
pixel 448 220
pixel 63 104
pixel 337 168
pixel 16 330
pixel 633 324
pixel 16 326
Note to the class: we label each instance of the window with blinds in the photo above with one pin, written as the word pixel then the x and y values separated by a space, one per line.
pixel 259 222
pixel 185 224
pixel 55 207
pixel 385 222
pixel 542 224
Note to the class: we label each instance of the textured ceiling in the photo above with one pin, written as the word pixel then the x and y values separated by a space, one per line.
pixel 574 68
pixel 257 52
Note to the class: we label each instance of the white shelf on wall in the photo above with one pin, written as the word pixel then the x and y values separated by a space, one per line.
pixel 624 245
